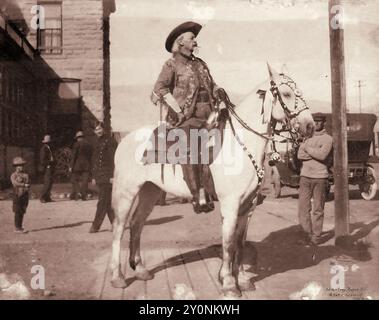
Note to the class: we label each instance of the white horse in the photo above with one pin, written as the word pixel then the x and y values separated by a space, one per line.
pixel 282 102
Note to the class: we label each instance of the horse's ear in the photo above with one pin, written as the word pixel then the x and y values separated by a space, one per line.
pixel 274 75
pixel 285 69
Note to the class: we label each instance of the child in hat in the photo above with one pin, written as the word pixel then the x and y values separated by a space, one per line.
pixel 20 181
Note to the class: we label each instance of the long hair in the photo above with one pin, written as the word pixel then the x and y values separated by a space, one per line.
pixel 176 45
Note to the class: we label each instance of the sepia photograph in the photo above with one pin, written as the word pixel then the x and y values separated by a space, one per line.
pixel 192 150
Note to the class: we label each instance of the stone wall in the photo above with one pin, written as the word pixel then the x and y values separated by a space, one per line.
pixel 82 56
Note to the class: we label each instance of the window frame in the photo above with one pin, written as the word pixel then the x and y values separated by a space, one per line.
pixel 50 50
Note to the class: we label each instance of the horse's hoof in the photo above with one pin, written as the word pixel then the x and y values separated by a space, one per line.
pixel 231 293
pixel 119 283
pixel 245 283
pixel 144 275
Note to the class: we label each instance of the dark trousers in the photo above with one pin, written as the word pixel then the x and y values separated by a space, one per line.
pixel 80 180
pixel 104 205
pixel 47 184
pixel 20 203
pixel 312 220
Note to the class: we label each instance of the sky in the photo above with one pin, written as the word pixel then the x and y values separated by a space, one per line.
pixel 237 39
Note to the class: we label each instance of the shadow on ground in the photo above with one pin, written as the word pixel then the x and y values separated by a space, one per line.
pixel 77 224
pixel 69 225
pixel 279 252
pixel 162 220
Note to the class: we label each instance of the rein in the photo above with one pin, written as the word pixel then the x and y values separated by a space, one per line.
pixel 290 114
pixel 231 106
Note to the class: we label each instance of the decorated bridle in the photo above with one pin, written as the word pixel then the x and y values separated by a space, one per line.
pixel 297 92
pixel 290 114
pixel 286 128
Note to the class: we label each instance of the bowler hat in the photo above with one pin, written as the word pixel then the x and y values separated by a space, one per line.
pixel 79 134
pixel 46 139
pixel 18 161
pixel 319 117
pixel 180 29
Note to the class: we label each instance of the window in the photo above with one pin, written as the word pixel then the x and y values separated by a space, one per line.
pixel 49 36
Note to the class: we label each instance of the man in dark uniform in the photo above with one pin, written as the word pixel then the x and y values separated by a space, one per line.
pixel 103 167
pixel 80 166
pixel 186 86
pixel 47 166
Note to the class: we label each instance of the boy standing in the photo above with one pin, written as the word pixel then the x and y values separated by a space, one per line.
pixel 21 185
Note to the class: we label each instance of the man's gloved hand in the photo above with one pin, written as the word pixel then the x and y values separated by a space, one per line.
pixel 155 98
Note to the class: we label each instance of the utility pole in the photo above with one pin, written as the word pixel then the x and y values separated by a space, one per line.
pixel 340 173
pixel 360 85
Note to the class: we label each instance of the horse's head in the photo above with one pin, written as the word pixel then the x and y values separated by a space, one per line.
pixel 288 105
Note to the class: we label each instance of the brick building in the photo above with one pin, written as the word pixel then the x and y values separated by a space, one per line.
pixel 56 77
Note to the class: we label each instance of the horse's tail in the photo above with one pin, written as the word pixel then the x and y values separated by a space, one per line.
pixel 117 178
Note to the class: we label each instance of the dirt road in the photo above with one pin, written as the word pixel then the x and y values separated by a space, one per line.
pixel 182 248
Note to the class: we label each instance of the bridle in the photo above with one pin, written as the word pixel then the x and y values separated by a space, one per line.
pixel 298 96
pixel 290 114
pixel 274 88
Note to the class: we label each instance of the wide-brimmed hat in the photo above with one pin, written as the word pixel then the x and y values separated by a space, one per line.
pixel 79 134
pixel 18 161
pixel 319 117
pixel 46 139
pixel 180 29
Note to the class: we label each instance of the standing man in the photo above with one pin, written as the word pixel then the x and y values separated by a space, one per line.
pixel 314 153
pixel 103 166
pixel 80 166
pixel 187 87
pixel 47 166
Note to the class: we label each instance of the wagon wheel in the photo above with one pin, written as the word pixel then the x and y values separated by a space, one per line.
pixel 63 157
pixel 368 190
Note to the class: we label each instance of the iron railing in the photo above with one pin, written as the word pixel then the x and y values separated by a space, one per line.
pixel 50 40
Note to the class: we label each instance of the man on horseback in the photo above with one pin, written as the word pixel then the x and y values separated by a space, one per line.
pixel 186 87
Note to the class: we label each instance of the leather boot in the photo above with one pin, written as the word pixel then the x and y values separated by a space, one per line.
pixel 191 177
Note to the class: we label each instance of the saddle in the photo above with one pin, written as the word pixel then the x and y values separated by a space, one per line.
pixel 190 143
pixel 183 146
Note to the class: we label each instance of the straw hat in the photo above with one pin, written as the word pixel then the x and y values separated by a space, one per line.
pixel 18 161
pixel 79 134
pixel 46 139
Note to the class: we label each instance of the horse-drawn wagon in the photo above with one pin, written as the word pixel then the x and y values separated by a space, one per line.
pixel 360 137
